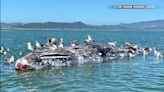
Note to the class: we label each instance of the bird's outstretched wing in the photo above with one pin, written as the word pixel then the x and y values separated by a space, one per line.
pixel 49 40
pixel 89 38
pixel 46 38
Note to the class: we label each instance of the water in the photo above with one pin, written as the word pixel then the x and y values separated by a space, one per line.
pixel 135 74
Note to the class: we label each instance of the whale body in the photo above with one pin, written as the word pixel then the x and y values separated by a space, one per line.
pixel 70 55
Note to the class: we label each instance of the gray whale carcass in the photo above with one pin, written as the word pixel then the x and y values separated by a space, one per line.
pixel 70 55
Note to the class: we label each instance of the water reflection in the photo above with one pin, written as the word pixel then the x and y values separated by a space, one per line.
pixel 59 71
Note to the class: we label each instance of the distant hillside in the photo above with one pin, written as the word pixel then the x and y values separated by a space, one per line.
pixel 147 25
pixel 9 25
pixel 74 25
pixel 142 24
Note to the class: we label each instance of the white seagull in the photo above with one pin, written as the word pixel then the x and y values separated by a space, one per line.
pixel 89 39
pixel 111 43
pixel 132 55
pixel 31 47
pixel 38 45
pixel 21 53
pixel 150 49
pixel 159 55
pixel 155 52
pixel 4 53
pixel 61 43
pixel 10 60
pixel 53 47
pixel 136 46
pixel 8 50
pixel 2 49
pixel 145 52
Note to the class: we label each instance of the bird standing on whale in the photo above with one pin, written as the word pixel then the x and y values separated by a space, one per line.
pixel 74 42
pixel 89 39
pixel 112 43
pixel 127 43
pixel 51 41
pixel 31 47
pixel 61 43
pixel 38 45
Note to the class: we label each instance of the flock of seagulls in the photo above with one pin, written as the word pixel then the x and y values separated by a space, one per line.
pixel 52 45
pixel 11 59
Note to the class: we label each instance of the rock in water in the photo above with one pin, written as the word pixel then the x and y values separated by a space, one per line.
pixel 70 55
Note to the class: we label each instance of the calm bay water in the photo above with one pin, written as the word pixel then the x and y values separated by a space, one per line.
pixel 139 74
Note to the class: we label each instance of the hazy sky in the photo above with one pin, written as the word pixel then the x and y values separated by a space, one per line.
pixel 94 12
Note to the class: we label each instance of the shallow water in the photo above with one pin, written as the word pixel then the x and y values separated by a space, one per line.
pixel 135 74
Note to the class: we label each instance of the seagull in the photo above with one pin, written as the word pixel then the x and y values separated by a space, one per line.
pixel 53 47
pixel 38 45
pixel 61 43
pixel 2 49
pixel 136 46
pixel 31 47
pixel 153 42
pixel 121 46
pixel 132 55
pixel 115 42
pixel 160 55
pixel 4 53
pixel 74 42
pixel 145 52
pixel 127 43
pixel 89 39
pixel 111 43
pixel 10 60
pixel 21 53
pixel 7 49
pixel 155 51
pixel 150 49
pixel 51 41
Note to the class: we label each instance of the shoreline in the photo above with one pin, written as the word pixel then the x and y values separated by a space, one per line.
pixel 62 29
pixel 74 29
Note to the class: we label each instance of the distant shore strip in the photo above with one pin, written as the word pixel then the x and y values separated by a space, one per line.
pixel 137 29
pixel 62 29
